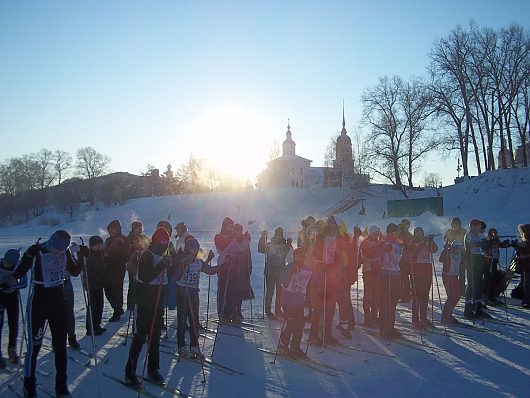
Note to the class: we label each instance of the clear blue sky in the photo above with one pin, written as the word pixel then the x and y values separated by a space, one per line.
pixel 151 81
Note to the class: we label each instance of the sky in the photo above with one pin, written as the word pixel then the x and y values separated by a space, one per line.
pixel 154 82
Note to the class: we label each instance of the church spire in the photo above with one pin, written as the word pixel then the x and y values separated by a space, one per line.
pixel 343 132
pixel 288 144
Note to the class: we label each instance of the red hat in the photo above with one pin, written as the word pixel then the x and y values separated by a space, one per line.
pixel 160 236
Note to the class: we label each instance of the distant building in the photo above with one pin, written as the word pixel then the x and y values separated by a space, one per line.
pixel 291 170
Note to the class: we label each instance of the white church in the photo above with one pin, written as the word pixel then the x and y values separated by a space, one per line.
pixel 293 171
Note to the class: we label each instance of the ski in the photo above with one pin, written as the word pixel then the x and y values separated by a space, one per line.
pixel 78 361
pixel 207 337
pixel 309 363
pixel 19 393
pixel 139 390
pixel 213 331
pixel 244 323
pixel 237 326
pixel 13 389
pixel 81 351
pixel 207 361
pixel 173 391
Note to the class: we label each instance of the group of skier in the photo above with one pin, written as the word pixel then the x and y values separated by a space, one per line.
pixel 318 275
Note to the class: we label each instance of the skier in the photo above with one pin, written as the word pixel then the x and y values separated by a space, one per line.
pixel 242 269
pixel 226 247
pixel 491 256
pixel 324 283
pixel 96 284
pixel 188 273
pixel 451 259
pixel 149 307
pixel 303 238
pixel 115 259
pixel 347 276
pixel 390 282
pixel 475 244
pixel 294 282
pixel 406 237
pixel 371 251
pixel 50 261
pixel 9 302
pixel 522 248
pixel 421 249
pixel 181 233
pixel 276 252
pixel 136 240
pixel 456 232
pixel 181 230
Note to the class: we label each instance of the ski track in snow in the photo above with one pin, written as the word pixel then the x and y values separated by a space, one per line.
pixel 490 362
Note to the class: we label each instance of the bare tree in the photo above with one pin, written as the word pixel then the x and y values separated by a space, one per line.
pixel 44 167
pixel 387 128
pixel 90 163
pixel 329 155
pixel 63 161
pixel 433 180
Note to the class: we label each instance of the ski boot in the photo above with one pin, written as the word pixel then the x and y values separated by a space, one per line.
pixel 184 352
pixel 283 349
pixel 73 343
pixel 12 354
pixel 2 362
pixel 131 379
pixel 298 353
pixel 344 330
pixel 155 377
pixel 30 387
pixel 61 390
pixel 469 312
pixel 480 312
pixel 196 353
pixel 330 340
pixel 314 339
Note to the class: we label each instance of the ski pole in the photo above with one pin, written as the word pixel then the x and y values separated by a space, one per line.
pixel 207 306
pixel 415 304
pixel 223 305
pixel 438 289
pixel 128 326
pixel 193 330
pixel 504 290
pixel 151 328
pixel 264 275
pixel 88 304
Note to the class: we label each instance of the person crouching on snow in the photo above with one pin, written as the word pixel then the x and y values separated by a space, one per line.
pixel 294 286
pixel 188 274
pixel 149 307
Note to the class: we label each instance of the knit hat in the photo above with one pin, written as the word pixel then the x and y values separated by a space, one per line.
pixel 12 256
pixel 95 240
pixel 524 229
pixel 475 222
pixel 492 232
pixel 373 229
pixel 160 236
pixel 226 223
pixel 166 225
pixel 391 228
pixel 59 240
pixel 181 227
pixel 136 224
pixel 114 224
pixel 191 244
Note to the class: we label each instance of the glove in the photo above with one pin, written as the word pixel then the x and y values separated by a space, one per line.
pixel 246 235
pixel 83 251
pixel 210 256
pixel 33 250
pixel 506 242
pixel 167 261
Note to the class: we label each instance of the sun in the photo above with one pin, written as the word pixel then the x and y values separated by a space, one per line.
pixel 235 139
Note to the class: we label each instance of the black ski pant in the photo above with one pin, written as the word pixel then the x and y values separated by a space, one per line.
pixel 490 281
pixel 475 279
pixel 68 291
pixel 9 303
pixel 272 285
pixel 114 288
pixel 187 314
pixel 96 306
pixel 46 304
pixel 390 288
pixel 226 297
pixel 291 335
pixel 147 314
pixel 346 314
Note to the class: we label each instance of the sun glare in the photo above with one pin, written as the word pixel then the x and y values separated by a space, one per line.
pixel 235 140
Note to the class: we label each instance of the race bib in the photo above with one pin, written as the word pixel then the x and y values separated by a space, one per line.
pixel 424 256
pixel 454 260
pixel 53 269
pixel 192 277
pixel 298 283
pixel 330 247
pixel 393 258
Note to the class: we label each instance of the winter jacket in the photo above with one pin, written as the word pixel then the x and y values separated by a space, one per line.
pixel 371 251
pixel 420 252
pixel 522 249
pixel 96 270
pixel 294 282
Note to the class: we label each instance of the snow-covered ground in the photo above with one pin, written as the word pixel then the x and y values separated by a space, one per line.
pixel 491 359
